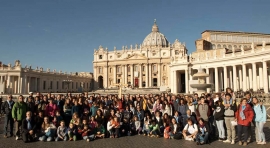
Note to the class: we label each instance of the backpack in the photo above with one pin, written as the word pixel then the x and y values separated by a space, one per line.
pixel 178 136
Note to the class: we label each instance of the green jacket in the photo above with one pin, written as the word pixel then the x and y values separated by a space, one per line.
pixel 19 111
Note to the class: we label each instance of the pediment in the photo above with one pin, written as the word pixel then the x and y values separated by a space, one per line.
pixel 136 56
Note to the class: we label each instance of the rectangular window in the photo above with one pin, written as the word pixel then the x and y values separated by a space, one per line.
pixel 100 57
pixel 128 68
pixel 154 68
pixel 143 68
pixel 76 85
pixel 100 70
pixel 44 85
pixel 72 85
pixel 51 85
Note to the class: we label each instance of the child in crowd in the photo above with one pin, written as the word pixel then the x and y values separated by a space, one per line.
pixel 61 132
pixel 202 136
pixel 100 131
pixel 125 127
pixel 85 133
pixel 136 126
pixel 147 122
pixel 167 130
pixel 154 129
pixel 116 126
pixel 72 132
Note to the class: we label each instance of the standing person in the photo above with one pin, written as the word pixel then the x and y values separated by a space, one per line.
pixel 18 114
pixel 229 116
pixel 6 109
pixel 29 128
pixel 203 110
pixel 260 119
pixel 219 116
pixel 244 116
pixel 250 134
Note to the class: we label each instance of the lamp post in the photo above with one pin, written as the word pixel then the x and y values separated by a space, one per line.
pixel 67 82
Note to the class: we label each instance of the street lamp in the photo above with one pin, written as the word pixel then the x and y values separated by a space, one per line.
pixel 67 82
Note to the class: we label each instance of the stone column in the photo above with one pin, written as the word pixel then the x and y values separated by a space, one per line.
pixel 146 75
pixel 159 75
pixel 28 84
pixel 231 78
pixel 150 75
pixel 114 74
pixel 234 78
pixel 1 79
pixel 173 82
pixel 187 81
pixel 250 77
pixel 261 77
pixel 265 84
pixel 207 80
pixel 140 76
pixel 15 87
pixel 126 75
pixel 225 77
pixel 254 69
pixel 131 75
pixel 216 80
pixel 19 85
pixel 240 86
pixel 244 84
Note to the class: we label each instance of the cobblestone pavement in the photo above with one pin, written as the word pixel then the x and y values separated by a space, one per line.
pixel 123 142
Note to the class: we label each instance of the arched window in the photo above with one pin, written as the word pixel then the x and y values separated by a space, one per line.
pixel 224 46
pixel 234 46
pixel 218 46
pixel 230 46
pixel 213 46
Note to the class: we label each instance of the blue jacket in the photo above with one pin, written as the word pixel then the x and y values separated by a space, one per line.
pixel 260 113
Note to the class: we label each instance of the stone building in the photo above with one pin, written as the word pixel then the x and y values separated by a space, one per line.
pixel 239 60
pixel 142 66
pixel 18 80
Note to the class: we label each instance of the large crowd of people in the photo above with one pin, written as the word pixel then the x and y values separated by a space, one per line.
pixel 202 119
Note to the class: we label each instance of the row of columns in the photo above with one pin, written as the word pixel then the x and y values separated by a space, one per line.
pixel 148 74
pixel 242 76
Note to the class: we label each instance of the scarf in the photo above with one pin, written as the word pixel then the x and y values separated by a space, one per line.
pixel 9 104
pixel 229 102
pixel 29 127
pixel 242 115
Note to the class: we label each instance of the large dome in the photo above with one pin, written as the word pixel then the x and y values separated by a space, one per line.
pixel 155 38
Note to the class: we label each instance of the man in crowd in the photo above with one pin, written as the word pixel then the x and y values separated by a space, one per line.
pixel 6 109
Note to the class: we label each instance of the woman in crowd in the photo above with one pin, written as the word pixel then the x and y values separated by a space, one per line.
pixel 244 117
pixel 260 119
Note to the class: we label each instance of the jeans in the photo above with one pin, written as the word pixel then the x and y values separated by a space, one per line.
pixel 261 135
pixel 242 129
pixel 91 137
pixel 8 121
pixel 58 138
pixel 212 126
pixel 18 128
pixel 201 139
pixel 220 126
pixel 45 138
pixel 230 128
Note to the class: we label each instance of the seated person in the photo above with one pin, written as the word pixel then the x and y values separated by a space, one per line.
pixel 202 136
pixel 154 129
pixel 189 115
pixel 48 130
pixel 100 131
pixel 136 126
pixel 125 128
pixel 176 130
pixel 85 132
pixel 61 132
pixel 190 130
pixel 72 132
pixel 28 127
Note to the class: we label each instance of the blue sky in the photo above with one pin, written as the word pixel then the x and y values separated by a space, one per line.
pixel 62 34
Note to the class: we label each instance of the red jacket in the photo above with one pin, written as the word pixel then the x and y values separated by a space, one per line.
pixel 249 114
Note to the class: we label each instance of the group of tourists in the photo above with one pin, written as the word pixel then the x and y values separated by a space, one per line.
pixel 202 119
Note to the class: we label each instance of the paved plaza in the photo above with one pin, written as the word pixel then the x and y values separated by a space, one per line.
pixel 123 142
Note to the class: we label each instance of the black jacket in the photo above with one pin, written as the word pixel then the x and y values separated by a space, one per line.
pixel 219 112
pixel 25 123
pixel 5 108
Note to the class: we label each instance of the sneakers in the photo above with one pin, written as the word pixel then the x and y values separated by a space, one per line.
pixel 17 138
pixel 262 143
pixel 87 140
pixel 227 141
pixel 240 143
pixel 232 142
pixel 245 144
pixel 189 139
